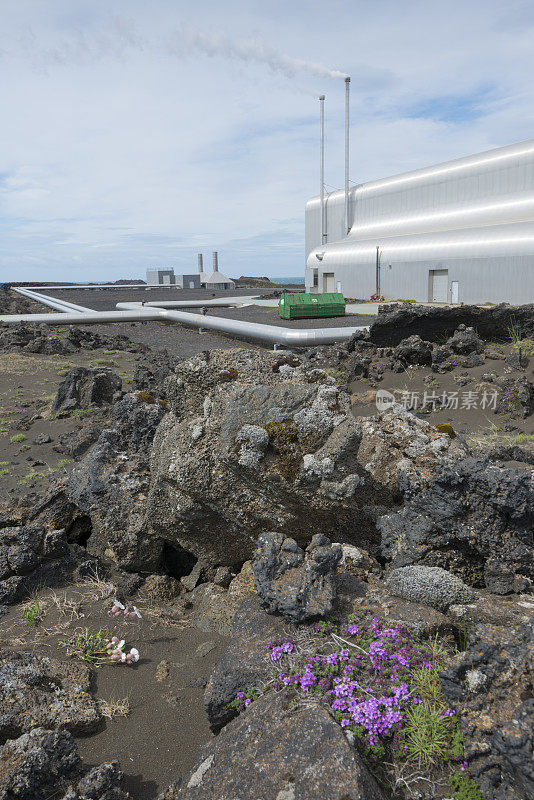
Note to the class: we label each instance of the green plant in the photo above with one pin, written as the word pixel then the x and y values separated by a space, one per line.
pixel 3 472
pixel 464 787
pixel 88 645
pixel 427 735
pixel 514 331
pixel 32 614
pixel 18 437
pixel 338 374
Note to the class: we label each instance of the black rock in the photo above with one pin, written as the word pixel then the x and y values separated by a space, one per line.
pixel 84 387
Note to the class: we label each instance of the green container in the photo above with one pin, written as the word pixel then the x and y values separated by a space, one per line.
pixel 298 306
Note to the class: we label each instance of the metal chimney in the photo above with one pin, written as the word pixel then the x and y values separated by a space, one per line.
pixel 215 261
pixel 200 263
pixel 347 99
pixel 323 219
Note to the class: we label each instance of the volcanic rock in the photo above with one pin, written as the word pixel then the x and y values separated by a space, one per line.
pixel 84 387
pixel 296 584
pixel 473 518
pixel 278 752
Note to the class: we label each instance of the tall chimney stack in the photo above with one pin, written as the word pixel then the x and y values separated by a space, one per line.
pixel 347 125
pixel 215 261
pixel 200 263
pixel 321 178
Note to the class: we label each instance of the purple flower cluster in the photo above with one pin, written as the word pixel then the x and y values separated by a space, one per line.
pixel 364 680
pixel 278 650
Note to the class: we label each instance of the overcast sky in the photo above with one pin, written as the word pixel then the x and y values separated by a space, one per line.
pixel 136 134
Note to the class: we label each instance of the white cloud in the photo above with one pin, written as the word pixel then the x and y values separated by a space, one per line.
pixel 122 149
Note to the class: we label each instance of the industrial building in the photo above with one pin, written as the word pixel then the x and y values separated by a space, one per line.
pixel 160 276
pixel 458 232
pixel 216 280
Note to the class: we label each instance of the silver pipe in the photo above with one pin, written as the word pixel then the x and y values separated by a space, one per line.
pixel 200 263
pixel 52 302
pixel 347 125
pixel 215 261
pixel 323 221
pixel 87 318
pixel 273 334
pixel 218 302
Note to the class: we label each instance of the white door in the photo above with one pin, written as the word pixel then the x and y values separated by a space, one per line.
pixel 454 292
pixel 338 287
pixel 191 284
pixel 166 280
pixel 329 283
pixel 440 285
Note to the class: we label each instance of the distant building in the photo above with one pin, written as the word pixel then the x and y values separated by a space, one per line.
pixel 160 277
pixel 217 280
pixel 188 281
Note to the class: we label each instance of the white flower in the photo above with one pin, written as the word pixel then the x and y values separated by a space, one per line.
pixel 118 604
pixel 135 653
pixel 120 644
pixel 138 613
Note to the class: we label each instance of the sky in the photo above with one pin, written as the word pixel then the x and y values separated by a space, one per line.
pixel 135 134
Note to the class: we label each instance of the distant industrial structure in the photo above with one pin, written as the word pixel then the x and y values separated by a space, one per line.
pixel 458 232
pixel 164 276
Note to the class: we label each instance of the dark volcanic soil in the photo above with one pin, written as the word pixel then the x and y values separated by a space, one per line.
pixel 166 724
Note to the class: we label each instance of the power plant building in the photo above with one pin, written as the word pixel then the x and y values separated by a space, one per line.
pixel 458 232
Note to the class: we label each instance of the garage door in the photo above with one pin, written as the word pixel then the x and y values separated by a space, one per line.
pixel 440 285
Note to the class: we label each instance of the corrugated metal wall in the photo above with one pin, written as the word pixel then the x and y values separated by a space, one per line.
pixel 473 217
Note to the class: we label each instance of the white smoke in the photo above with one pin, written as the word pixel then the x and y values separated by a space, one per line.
pixel 252 50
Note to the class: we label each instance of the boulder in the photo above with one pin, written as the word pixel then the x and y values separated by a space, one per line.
pixel 245 450
pixel 245 663
pixel 296 584
pixel 465 341
pixel 473 518
pixel 32 556
pixel 413 350
pixel 490 686
pixel 397 321
pixel 84 387
pixel 43 764
pixel 431 586
pixel 279 752
pixel 516 397
pixel 42 692
pixel 111 482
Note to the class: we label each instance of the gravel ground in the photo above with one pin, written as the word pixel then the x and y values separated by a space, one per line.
pixel 185 342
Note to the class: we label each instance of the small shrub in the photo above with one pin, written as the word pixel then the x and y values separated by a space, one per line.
pixel 32 614
pixel 444 427
pixel 464 787
pixel 18 437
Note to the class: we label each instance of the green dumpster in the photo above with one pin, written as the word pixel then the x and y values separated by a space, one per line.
pixel 298 306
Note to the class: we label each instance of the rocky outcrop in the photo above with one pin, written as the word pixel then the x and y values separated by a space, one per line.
pixel 85 387
pixel 490 686
pixel 43 692
pixel 277 752
pixel 396 321
pixel 31 556
pixel 111 482
pixel 43 764
pixel 473 518
pixel 246 449
pixel 150 375
pixel 48 341
pixel 296 584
